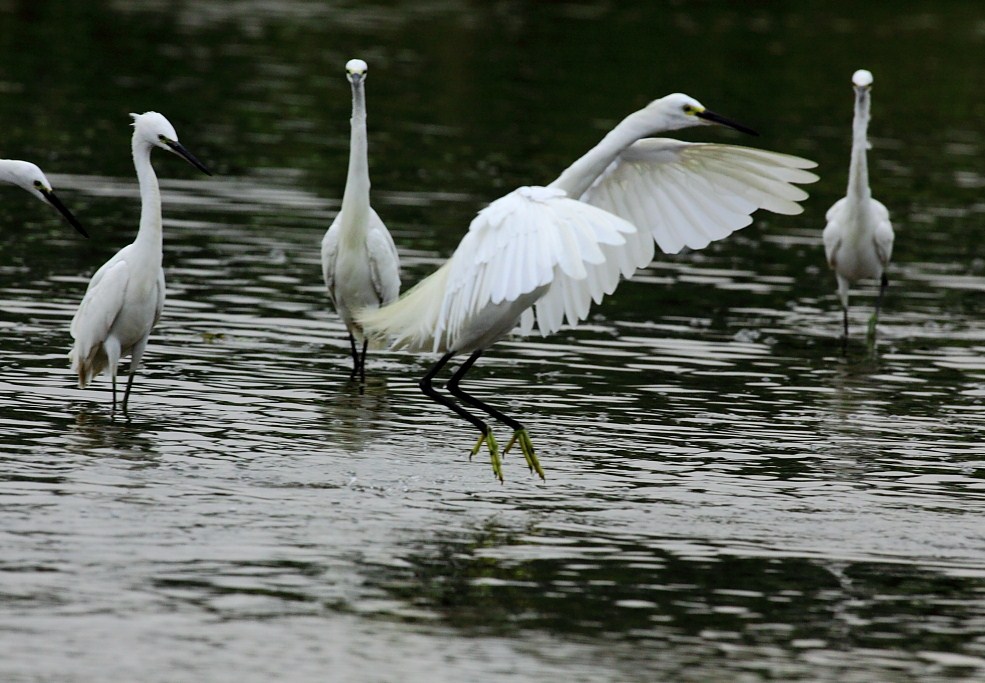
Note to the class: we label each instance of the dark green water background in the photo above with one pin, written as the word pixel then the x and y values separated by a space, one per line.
pixel 728 496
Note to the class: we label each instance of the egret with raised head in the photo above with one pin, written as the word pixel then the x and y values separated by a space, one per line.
pixel 540 255
pixel 28 176
pixel 358 256
pixel 858 237
pixel 126 295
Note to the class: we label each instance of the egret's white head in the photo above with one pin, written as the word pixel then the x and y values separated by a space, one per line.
pixel 153 130
pixel 862 78
pixel 24 174
pixel 678 110
pixel 31 178
pixel 355 70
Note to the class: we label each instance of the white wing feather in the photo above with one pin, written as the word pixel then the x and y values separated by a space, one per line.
pixel 532 240
pixel 384 262
pixel 690 194
pixel 329 252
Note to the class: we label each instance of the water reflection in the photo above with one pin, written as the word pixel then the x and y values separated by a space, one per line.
pixel 658 606
pixel 355 409
pixel 101 433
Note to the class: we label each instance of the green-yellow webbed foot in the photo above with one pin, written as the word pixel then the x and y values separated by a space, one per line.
pixel 493 447
pixel 523 438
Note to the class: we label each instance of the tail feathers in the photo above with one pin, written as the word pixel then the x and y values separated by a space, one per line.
pixel 410 321
pixel 90 366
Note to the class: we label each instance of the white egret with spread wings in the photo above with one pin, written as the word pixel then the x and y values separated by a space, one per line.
pixel 541 255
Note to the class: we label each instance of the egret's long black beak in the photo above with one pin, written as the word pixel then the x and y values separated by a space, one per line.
pixel 721 120
pixel 63 210
pixel 180 150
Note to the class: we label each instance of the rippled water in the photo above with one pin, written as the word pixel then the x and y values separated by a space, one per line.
pixel 728 495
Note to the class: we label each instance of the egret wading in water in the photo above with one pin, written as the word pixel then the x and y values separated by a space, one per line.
pixel 124 299
pixel 540 255
pixel 358 256
pixel 858 237
pixel 27 175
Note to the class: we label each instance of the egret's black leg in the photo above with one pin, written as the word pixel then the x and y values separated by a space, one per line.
pixel 487 435
pixel 883 283
pixel 432 393
pixel 844 336
pixel 126 393
pixel 455 390
pixel 355 356
pixel 362 361
pixel 114 392
pixel 519 431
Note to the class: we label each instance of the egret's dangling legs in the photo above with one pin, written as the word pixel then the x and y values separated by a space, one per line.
pixel 487 435
pixel 519 431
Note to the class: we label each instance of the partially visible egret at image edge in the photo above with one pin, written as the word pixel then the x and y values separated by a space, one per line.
pixel 125 297
pixel 28 176
pixel 359 259
pixel 540 255
pixel 858 237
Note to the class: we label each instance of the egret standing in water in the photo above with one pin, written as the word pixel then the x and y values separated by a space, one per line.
pixel 126 295
pixel 27 175
pixel 358 256
pixel 542 254
pixel 858 238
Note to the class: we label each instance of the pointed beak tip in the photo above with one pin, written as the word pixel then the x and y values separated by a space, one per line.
pixel 713 117
pixel 53 199
pixel 181 151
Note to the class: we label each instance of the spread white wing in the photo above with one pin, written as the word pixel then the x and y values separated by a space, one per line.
pixel 533 243
pixel 690 194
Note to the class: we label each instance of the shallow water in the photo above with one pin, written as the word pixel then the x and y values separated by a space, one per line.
pixel 728 495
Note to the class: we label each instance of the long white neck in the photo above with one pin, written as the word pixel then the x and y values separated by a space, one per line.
pixel 150 195
pixel 355 200
pixel 858 170
pixel 579 176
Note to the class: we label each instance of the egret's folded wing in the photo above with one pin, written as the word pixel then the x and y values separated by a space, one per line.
pixel 329 252
pixel 690 194
pixel 884 232
pixel 384 263
pixel 99 308
pixel 834 230
pixel 532 238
